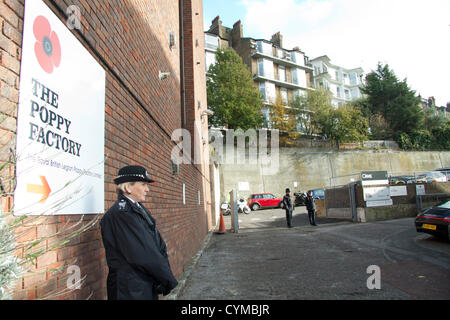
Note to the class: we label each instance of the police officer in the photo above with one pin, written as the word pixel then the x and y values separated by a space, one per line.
pixel 288 207
pixel 311 207
pixel 136 254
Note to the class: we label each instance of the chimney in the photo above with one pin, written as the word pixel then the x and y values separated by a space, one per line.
pixel 238 32
pixel 216 26
pixel 277 39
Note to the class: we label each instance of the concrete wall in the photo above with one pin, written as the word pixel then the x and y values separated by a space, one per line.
pixel 319 169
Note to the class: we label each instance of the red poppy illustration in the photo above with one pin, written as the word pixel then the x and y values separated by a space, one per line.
pixel 47 47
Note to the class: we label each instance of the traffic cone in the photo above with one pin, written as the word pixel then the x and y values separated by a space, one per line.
pixel 222 229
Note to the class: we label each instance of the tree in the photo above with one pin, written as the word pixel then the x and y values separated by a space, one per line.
pixel 284 120
pixel 433 120
pixel 232 95
pixel 393 99
pixel 349 125
pixel 311 111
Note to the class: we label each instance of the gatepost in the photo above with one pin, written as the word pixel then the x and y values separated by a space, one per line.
pixel 234 212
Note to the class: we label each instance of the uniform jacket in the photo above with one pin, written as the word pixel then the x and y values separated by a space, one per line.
pixel 135 252
pixel 287 202
pixel 310 203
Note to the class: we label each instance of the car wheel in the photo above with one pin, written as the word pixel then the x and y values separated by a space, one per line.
pixel 255 206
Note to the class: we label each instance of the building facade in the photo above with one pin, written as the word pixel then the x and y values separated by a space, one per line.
pixel 134 42
pixel 343 83
pixel 277 71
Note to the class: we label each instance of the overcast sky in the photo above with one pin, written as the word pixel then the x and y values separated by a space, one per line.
pixel 412 36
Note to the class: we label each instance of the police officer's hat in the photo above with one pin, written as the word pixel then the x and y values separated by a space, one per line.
pixel 132 174
pixel 288 190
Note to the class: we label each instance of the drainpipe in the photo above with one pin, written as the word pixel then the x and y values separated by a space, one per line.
pixel 182 84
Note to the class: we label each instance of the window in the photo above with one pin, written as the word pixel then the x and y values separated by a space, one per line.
pixel 337 76
pixel 265 48
pixel 293 57
pixel 284 95
pixel 259 46
pixel 347 94
pixel 211 42
pixel 294 76
pixel 338 92
pixel 262 89
pixel 282 73
pixel 353 78
pixel 261 67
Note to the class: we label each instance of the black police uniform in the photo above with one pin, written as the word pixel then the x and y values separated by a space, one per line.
pixel 288 207
pixel 136 254
pixel 311 207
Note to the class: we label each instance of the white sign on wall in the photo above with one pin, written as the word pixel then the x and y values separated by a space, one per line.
pixel 420 190
pixel 397 191
pixel 243 186
pixel 60 120
pixel 376 193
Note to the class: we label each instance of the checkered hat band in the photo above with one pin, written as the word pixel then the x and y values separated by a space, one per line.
pixel 132 175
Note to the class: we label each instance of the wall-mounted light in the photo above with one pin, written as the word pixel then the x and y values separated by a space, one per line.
pixel 207 112
pixel 163 75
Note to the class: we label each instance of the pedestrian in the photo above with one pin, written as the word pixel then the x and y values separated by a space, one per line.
pixel 136 254
pixel 311 207
pixel 288 207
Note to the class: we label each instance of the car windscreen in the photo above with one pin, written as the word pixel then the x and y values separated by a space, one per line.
pixel 445 205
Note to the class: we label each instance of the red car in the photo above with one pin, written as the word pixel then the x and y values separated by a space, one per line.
pixel 264 200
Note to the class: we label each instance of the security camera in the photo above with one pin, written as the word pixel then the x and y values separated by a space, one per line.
pixel 208 112
pixel 163 75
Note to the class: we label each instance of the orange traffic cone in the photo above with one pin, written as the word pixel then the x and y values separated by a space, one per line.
pixel 222 229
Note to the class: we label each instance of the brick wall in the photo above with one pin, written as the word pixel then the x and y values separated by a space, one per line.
pixel 130 39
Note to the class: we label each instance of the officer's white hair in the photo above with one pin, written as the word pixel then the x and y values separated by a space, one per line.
pixel 120 189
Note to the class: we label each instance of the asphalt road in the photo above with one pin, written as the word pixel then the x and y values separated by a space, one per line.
pixel 267 261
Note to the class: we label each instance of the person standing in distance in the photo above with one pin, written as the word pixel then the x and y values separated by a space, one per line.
pixel 288 207
pixel 136 254
pixel 311 207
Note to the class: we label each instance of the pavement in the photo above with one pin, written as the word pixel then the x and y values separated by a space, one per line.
pixel 334 260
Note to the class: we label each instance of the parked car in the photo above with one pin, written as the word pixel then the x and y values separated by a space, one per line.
pixel 401 180
pixel 435 220
pixel 433 176
pixel 264 200
pixel 445 171
pixel 318 193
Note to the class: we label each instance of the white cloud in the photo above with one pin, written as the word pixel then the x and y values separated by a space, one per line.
pixel 412 36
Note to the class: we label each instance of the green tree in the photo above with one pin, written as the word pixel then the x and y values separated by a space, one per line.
pixel 346 124
pixel 232 94
pixel 393 99
pixel 284 120
pixel 318 105
pixel 433 120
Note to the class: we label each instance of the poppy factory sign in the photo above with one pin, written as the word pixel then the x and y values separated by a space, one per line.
pixel 60 120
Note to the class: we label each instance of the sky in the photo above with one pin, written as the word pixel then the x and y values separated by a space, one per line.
pixel 411 36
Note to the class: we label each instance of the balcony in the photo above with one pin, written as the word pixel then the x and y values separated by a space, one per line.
pixel 287 62
pixel 284 84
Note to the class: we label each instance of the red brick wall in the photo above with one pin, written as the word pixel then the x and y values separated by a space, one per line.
pixel 130 39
